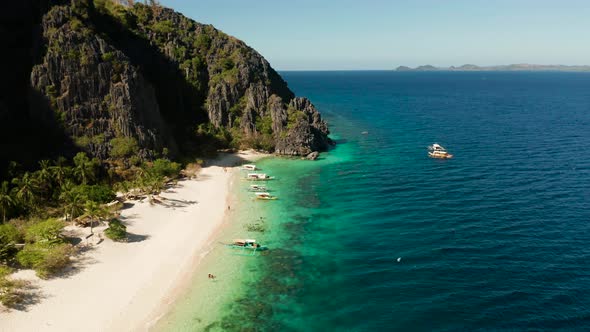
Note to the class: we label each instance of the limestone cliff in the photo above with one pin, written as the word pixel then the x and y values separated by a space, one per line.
pixel 94 90
pixel 161 82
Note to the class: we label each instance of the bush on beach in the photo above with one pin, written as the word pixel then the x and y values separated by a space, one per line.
pixel 48 231
pixel 46 251
pixel 47 260
pixel 9 236
pixel 117 231
pixel 164 167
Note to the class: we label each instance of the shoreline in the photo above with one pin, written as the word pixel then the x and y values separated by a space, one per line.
pixel 184 281
pixel 130 286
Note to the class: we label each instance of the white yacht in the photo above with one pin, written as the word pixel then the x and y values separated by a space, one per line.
pixel 437 151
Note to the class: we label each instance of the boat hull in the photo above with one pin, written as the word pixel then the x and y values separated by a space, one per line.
pixel 246 250
pixel 439 156
pixel 235 246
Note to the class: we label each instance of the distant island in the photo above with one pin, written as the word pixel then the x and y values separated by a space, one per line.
pixel 512 67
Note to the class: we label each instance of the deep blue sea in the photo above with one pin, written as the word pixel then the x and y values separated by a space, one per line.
pixel 497 238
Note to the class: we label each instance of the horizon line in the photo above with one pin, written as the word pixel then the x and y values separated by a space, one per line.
pixel 441 68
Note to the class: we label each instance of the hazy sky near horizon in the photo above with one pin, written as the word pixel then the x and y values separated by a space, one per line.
pixel 381 34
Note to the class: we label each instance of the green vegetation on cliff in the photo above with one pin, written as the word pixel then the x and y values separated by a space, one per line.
pixel 130 81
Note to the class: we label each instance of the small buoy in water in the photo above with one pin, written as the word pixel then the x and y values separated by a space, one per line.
pixel 399 259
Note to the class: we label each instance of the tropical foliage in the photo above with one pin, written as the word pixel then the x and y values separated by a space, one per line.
pixel 117 231
pixel 47 232
pixel 47 260
pixel 46 250
pixel 9 237
pixel 6 199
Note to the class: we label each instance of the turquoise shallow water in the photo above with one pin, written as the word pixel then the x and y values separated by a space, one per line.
pixel 494 239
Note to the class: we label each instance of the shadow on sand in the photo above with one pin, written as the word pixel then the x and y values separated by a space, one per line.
pixel 29 296
pixel 173 203
pixel 225 159
pixel 132 238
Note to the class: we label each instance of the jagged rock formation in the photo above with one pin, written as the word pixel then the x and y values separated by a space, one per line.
pixel 153 79
pixel 301 130
pixel 94 89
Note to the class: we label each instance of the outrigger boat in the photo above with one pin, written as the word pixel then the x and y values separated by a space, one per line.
pixel 258 188
pixel 266 196
pixel 249 167
pixel 437 151
pixel 247 247
pixel 258 177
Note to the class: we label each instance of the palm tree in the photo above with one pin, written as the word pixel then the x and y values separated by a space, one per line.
pixel 26 189
pixel 59 173
pixel 95 212
pixel 45 176
pixel 156 184
pixel 73 203
pixel 6 200
pixel 13 169
pixel 61 161
pixel 84 168
pixel 44 172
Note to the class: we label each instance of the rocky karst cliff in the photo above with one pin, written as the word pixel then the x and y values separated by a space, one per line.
pixel 152 80
pixel 94 90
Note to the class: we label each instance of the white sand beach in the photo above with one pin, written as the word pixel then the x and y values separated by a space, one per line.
pixel 126 286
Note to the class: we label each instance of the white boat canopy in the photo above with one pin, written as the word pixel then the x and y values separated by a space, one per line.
pixel 436 147
pixel 244 241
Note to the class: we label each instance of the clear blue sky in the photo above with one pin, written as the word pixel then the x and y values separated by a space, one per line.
pixel 380 34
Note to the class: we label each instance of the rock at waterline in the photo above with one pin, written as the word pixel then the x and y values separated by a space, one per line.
pixel 312 156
